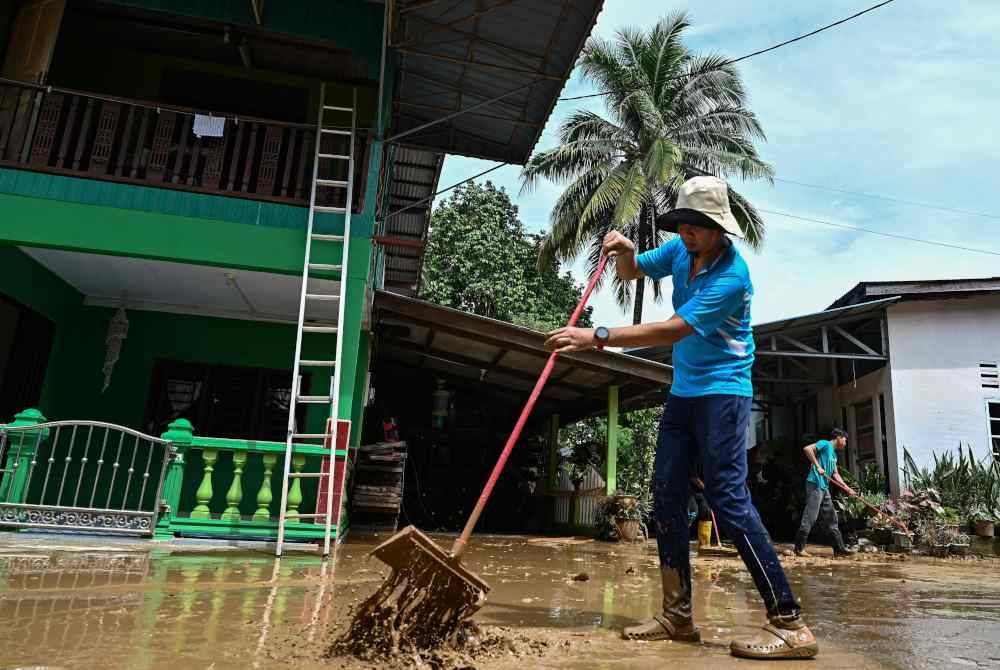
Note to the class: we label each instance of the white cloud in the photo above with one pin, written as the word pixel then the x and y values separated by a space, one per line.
pixel 900 102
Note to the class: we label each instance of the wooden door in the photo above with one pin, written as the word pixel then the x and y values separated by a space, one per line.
pixel 33 37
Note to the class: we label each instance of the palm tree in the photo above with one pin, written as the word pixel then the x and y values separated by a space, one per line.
pixel 671 115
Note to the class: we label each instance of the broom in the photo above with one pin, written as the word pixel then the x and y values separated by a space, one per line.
pixel 429 594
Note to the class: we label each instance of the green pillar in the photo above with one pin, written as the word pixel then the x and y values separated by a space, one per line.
pixel 204 493
pixel 264 495
pixel 295 490
pixel 21 449
pixel 180 434
pixel 235 493
pixel 611 474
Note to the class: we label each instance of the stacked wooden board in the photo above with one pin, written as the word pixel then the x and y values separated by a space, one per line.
pixel 379 476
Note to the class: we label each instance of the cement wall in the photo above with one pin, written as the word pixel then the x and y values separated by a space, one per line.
pixel 936 348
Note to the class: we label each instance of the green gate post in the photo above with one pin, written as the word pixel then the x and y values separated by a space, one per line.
pixel 611 472
pixel 17 466
pixel 180 433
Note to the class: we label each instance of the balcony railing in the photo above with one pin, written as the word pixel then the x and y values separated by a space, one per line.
pixel 191 486
pixel 84 134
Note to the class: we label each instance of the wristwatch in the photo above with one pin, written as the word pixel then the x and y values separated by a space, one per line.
pixel 602 335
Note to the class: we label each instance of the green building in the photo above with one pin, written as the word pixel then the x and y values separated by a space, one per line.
pixel 157 160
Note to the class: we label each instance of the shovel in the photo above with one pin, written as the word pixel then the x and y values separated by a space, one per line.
pixel 899 524
pixel 429 593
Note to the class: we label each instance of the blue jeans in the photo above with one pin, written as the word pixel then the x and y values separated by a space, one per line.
pixel 707 435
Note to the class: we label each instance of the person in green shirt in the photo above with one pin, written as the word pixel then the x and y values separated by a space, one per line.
pixel 823 456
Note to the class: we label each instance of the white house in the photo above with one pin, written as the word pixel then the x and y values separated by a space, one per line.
pixel 901 365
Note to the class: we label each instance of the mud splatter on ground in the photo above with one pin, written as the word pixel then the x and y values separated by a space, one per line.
pixel 128 608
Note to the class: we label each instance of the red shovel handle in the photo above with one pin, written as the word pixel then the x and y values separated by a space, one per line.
pixel 463 539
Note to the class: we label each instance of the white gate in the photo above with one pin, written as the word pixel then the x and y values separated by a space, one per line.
pixel 81 475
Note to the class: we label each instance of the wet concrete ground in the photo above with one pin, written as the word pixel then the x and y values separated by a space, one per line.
pixel 113 605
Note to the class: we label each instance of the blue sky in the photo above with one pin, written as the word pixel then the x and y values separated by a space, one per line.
pixel 903 102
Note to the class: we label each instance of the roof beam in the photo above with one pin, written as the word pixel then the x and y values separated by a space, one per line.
pixel 819 354
pixel 855 341
pixel 438 27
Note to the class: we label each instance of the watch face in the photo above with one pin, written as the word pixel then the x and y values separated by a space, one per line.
pixel 602 333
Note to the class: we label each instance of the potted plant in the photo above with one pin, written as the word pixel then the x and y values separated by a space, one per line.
pixel 983 520
pixel 622 515
pixel 959 545
pixel 937 536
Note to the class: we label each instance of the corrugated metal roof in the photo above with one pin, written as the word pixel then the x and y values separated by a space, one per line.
pixel 827 316
pixel 414 178
pixel 455 55
pixel 511 357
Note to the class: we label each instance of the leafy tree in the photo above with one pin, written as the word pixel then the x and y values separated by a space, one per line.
pixel 671 114
pixel 553 296
pixel 481 260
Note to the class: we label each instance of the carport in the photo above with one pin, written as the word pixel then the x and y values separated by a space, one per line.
pixel 455 383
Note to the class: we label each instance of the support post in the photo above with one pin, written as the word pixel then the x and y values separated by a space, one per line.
pixel 552 475
pixel 611 467
pixel 180 434
pixel 21 450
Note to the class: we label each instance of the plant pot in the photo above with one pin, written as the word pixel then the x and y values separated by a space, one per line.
pixel 958 549
pixel 985 528
pixel 629 530
pixel 881 537
pixel 939 551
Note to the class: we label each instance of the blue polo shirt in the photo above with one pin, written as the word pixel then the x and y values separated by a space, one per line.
pixel 716 358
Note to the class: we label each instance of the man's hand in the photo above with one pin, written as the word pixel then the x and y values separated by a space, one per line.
pixel 821 471
pixel 571 339
pixel 615 243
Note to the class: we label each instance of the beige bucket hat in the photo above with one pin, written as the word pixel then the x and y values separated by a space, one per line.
pixel 702 201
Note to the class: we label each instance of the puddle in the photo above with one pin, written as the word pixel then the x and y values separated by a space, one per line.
pixel 151 610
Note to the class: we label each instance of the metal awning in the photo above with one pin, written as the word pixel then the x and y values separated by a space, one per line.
pixel 509 358
pixel 455 55
pixel 413 180
pixel 808 349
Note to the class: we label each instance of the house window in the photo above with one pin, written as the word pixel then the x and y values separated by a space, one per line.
pixel 864 429
pixel 989 375
pixel 993 407
pixel 222 400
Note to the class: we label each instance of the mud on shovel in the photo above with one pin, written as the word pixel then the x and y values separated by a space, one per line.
pixel 429 593
pixel 895 521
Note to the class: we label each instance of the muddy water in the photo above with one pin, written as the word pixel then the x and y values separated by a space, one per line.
pixel 116 607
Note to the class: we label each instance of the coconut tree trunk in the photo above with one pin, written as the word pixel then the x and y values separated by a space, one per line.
pixel 642 243
pixel 640 292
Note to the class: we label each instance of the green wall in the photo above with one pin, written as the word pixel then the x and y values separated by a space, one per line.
pixel 28 282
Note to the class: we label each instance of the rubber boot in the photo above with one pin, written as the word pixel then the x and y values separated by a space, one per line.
pixel 704 534
pixel 839 548
pixel 781 637
pixel 800 544
pixel 675 622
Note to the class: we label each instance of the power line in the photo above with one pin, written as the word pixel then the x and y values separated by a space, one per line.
pixel 762 51
pixel 888 198
pixel 884 234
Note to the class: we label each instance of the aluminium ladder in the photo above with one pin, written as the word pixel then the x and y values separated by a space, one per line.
pixel 308 323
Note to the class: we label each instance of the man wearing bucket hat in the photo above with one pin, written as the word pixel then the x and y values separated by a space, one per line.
pixel 706 414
